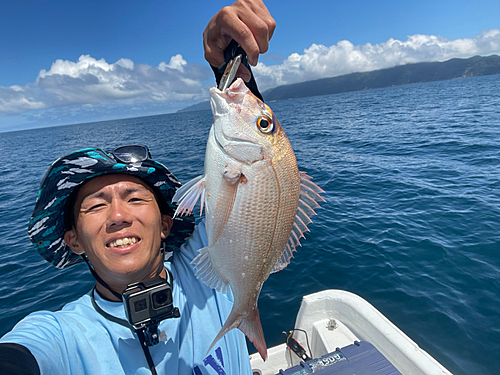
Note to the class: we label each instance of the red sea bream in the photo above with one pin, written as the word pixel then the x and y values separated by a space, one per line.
pixel 257 203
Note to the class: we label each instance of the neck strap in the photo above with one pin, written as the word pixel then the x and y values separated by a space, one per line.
pixel 110 317
pixel 126 324
pixel 98 278
pixel 101 281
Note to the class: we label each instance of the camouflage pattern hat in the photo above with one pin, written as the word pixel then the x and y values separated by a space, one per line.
pixel 47 226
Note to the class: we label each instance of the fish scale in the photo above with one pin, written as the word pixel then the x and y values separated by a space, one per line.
pixel 257 204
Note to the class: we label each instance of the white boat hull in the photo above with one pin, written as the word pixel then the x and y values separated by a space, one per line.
pixel 334 319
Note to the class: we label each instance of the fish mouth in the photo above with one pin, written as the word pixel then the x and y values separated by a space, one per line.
pixel 233 95
pixel 230 136
pixel 237 87
pixel 222 102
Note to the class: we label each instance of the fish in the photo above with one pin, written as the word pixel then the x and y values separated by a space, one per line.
pixel 257 204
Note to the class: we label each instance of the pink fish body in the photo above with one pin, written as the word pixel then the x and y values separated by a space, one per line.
pixel 257 203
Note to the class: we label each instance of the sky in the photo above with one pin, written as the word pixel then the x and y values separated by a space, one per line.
pixel 67 62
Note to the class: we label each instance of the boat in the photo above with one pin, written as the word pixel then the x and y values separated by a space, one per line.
pixel 338 332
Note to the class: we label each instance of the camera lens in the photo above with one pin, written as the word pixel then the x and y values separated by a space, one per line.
pixel 162 298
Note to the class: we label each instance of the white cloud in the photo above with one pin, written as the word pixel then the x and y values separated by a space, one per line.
pixel 97 83
pixel 89 88
pixel 319 61
pixel 16 99
pixel 176 62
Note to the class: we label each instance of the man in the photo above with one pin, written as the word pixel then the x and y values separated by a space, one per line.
pixel 114 210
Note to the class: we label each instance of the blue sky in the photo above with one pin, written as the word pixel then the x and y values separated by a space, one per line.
pixel 68 61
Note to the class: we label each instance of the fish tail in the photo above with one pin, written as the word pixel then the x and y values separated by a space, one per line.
pixel 232 321
pixel 249 325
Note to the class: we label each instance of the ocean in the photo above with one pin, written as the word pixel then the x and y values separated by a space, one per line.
pixel 411 220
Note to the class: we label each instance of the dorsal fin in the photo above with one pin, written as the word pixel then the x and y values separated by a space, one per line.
pixel 309 197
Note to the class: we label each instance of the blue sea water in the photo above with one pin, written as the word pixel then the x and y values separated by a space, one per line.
pixel 411 220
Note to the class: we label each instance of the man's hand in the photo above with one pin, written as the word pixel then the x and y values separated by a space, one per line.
pixel 249 23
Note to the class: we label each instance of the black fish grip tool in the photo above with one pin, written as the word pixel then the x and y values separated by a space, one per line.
pixel 225 74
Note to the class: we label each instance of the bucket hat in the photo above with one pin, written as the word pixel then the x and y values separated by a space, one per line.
pixel 48 222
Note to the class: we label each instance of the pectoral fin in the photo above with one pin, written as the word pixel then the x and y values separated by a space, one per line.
pixel 188 194
pixel 225 200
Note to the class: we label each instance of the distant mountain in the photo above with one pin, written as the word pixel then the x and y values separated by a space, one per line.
pixel 196 107
pixel 399 75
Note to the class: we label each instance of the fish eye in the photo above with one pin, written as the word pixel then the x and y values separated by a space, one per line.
pixel 265 124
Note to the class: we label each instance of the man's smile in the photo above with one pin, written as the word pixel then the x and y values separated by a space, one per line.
pixel 121 242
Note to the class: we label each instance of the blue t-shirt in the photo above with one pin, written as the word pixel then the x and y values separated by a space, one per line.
pixel 79 340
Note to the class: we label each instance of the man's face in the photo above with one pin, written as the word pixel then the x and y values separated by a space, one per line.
pixel 119 226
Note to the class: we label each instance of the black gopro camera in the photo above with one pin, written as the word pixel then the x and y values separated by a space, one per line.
pixel 148 303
